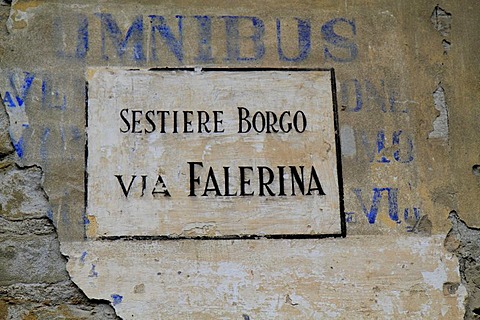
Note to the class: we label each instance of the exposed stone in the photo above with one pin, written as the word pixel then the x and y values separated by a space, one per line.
pixel 22 196
pixel 5 144
pixel 34 283
pixel 35 311
pixel 465 243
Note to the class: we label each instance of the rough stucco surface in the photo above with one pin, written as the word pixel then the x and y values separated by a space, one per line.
pixel 464 242
pixel 34 283
pixel 304 279
pixel 408 90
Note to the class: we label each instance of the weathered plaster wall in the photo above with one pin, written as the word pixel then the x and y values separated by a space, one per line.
pixel 34 283
pixel 408 91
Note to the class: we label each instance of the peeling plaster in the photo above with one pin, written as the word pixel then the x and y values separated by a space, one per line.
pixel 242 277
pixel 347 136
pixel 440 124
pixel 441 20
pixel 435 278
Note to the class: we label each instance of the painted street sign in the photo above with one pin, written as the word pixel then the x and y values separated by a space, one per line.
pixel 212 153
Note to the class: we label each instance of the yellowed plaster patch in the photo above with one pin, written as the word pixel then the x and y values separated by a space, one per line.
pixel 92 226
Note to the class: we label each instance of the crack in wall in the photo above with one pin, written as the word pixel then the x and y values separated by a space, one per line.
pixel 442 22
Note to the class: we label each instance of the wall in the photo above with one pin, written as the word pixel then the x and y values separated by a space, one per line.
pixel 407 89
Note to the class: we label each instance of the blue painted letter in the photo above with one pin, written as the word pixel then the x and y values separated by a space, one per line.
pixel 135 32
pixel 345 95
pixel 174 45
pixel 378 97
pixel 379 146
pixel 20 95
pixel 232 25
pixel 204 39
pixel 303 41
pixel 82 37
pixel 61 38
pixel 338 41
pixel 377 196
pixel 408 156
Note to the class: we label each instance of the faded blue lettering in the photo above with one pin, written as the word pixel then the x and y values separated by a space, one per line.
pixel 62 136
pixel 416 214
pixel 368 96
pixel 350 217
pixel 76 134
pixel 233 41
pixel 21 95
pixel 82 38
pixel 93 273
pixel 50 98
pixel 402 152
pixel 371 213
pixel 408 155
pixel 134 33
pixel 349 50
pixel 374 95
pixel 43 145
pixel 175 45
pixel 304 43
pixel 407 217
pixel 381 146
pixel 18 146
pixel 16 99
pixel 204 39
pixel 8 100
pixel 345 92
pixel 65 210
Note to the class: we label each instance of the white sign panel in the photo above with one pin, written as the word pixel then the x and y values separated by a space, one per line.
pixel 214 153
